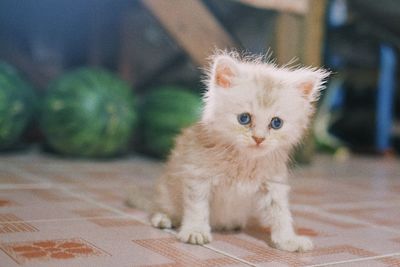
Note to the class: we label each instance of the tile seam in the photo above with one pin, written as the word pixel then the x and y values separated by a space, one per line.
pixel 65 219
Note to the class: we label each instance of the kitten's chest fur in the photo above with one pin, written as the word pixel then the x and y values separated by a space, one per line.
pixel 232 205
pixel 237 180
pixel 236 189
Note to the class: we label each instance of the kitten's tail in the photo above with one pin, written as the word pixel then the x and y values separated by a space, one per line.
pixel 141 198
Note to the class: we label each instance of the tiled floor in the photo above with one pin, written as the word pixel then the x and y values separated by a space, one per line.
pixel 57 212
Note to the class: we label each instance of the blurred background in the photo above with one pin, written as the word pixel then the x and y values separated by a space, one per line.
pixel 108 78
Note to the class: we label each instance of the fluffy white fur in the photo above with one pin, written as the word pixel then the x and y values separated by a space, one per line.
pixel 217 177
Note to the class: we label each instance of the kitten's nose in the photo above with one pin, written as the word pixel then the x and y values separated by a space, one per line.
pixel 258 140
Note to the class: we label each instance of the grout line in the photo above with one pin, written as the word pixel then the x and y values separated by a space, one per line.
pixel 122 213
pixel 229 255
pixel 25 186
pixel 356 260
pixel 64 219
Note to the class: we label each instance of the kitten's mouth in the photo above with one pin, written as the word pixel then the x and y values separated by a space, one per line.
pixel 257 146
pixel 257 150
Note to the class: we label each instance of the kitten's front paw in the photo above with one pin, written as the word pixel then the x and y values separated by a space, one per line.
pixel 160 220
pixel 295 243
pixel 195 235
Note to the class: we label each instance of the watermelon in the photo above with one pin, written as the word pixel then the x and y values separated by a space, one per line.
pixel 165 112
pixel 88 112
pixel 16 105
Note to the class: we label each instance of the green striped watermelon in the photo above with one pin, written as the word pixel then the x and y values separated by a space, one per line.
pixel 89 112
pixel 16 105
pixel 165 112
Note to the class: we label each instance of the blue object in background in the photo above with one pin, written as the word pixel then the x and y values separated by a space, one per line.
pixel 336 17
pixel 337 13
pixel 385 99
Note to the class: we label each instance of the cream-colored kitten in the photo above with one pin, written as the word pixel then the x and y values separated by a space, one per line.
pixel 231 165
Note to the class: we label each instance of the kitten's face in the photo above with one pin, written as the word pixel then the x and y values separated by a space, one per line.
pixel 259 108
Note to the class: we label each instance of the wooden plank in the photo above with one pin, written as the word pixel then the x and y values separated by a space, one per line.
pixel 192 25
pixel 312 46
pixel 314 25
pixel 301 36
pixel 290 6
pixel 288 38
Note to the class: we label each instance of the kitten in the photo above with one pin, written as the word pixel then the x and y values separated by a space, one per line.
pixel 232 164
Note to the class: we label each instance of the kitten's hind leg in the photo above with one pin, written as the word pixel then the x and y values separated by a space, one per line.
pixel 160 220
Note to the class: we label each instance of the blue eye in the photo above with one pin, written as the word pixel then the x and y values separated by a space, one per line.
pixel 276 123
pixel 244 118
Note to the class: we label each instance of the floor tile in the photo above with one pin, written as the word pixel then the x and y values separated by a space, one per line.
pixel 103 242
pixel 63 212
pixel 48 250
pixel 45 204
pixel 9 176
pixel 383 216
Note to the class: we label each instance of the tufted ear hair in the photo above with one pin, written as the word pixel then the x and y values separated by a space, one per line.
pixel 224 71
pixel 311 82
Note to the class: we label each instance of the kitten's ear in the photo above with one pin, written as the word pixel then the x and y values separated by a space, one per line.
pixel 224 71
pixel 310 82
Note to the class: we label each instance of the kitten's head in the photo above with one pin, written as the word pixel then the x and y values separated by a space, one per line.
pixel 258 107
